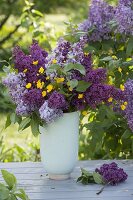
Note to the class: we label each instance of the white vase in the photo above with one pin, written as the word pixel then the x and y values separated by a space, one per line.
pixel 59 146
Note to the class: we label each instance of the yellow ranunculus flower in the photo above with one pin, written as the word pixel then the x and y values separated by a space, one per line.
pixel 44 93
pixel 125 103
pixel 110 99
pixel 25 70
pixel 80 96
pixel 70 89
pixel 49 88
pixel 48 77
pixel 60 80
pixel 119 69
pixel 54 61
pixel 35 62
pixel 122 87
pixel 123 107
pixel 28 85
pixel 84 113
pixel 40 84
pixel 41 70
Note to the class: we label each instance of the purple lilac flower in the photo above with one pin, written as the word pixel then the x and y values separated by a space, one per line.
pixel 21 60
pixel 48 114
pixel 79 104
pixel 33 98
pixel 124 18
pixel 38 54
pixel 57 101
pixel 126 2
pixel 98 93
pixel 25 62
pixel 100 14
pixel 16 85
pixel 129 108
pixel 96 76
pixel 112 174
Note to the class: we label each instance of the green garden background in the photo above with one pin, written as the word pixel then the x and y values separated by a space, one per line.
pixel 103 134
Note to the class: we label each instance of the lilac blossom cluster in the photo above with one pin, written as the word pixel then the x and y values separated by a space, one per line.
pixel 112 174
pixel 102 16
pixel 129 108
pixel 48 114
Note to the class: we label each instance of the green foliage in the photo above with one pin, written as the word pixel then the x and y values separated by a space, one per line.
pixel 105 135
pixel 90 177
pixel 9 191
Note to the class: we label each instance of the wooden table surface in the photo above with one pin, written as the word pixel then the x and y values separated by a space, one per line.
pixel 33 178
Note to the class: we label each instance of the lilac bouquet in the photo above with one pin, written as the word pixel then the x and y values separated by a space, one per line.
pixel 44 86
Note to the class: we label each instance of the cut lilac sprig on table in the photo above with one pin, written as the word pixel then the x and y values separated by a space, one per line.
pixel 107 174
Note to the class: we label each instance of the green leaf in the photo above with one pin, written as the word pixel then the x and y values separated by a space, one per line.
pixel 77 66
pixel 53 68
pixel 8 121
pixel 82 86
pixel 24 123
pixel 35 125
pixel 97 178
pixel 4 192
pixel 108 58
pixel 22 195
pixel 9 178
pixel 37 12
pixel 85 172
pixel 127 134
pixel 73 83
pixel 129 46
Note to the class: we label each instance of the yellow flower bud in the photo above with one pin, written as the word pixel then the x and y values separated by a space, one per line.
pixel 35 62
pixel 40 84
pixel 122 87
pixel 48 77
pixel 25 70
pixel 123 107
pixel 70 89
pixel 60 80
pixel 119 69
pixel 54 61
pixel 28 85
pixel 125 103
pixel 80 96
pixel 86 54
pixel 84 113
pixel 110 99
pixel 41 70
pixel 44 93
pixel 49 88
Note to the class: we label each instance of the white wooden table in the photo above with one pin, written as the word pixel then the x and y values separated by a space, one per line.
pixel 33 178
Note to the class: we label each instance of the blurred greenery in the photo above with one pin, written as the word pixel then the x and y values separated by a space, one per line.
pixel 102 132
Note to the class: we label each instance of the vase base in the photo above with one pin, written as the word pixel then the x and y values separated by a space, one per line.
pixel 59 177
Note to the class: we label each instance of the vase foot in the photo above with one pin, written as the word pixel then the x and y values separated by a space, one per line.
pixel 59 177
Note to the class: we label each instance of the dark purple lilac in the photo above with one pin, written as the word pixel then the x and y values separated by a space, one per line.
pixel 38 54
pixel 112 174
pixel 98 93
pixel 57 101
pixel 78 104
pixel 33 98
pixel 21 60
pixel 96 76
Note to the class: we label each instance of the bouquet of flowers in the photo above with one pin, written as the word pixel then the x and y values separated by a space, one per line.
pixel 44 86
